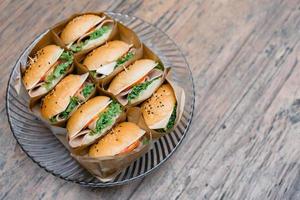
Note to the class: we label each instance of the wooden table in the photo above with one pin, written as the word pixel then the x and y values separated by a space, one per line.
pixel 244 142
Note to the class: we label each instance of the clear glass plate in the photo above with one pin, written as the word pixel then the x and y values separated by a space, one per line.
pixel 45 150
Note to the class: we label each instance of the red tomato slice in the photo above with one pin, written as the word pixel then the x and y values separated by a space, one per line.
pixel 131 147
pixel 94 118
pixel 136 83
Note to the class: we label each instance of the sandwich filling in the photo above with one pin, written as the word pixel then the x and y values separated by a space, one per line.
pixel 105 119
pixel 54 74
pixel 99 125
pixel 81 96
pixel 105 70
pixel 143 88
pixel 171 121
pixel 136 145
pixel 97 35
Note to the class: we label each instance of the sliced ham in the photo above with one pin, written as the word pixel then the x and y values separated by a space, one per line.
pixel 77 141
pixel 79 94
pixel 154 73
pixel 93 123
pixel 106 69
pixel 37 90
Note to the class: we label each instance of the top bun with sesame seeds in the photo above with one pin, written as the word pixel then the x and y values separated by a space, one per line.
pixel 158 109
pixel 125 137
pixel 39 65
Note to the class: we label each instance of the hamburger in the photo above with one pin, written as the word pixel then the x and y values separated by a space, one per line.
pixel 106 59
pixel 49 65
pixel 92 120
pixel 86 32
pixel 123 139
pixel 137 82
pixel 159 111
pixel 66 97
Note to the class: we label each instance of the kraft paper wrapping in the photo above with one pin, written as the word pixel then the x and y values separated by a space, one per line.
pixel 134 114
pixel 105 168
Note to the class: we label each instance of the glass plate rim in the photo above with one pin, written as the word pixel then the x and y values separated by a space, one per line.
pixel 103 184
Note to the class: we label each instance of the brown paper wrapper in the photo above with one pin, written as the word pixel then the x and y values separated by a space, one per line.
pixel 58 28
pixel 124 34
pixel 107 168
pixel 134 114
pixel 59 132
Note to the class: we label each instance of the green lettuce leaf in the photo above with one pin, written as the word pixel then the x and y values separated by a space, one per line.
pixel 94 35
pixel 93 73
pixel 124 59
pixel 88 89
pixel 99 32
pixel 67 56
pixel 159 66
pixel 74 102
pixel 145 141
pixel 172 119
pixel 137 89
pixel 53 119
pixel 107 117
pixel 77 47
pixel 67 59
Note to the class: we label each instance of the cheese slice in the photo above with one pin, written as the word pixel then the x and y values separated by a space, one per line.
pixel 106 69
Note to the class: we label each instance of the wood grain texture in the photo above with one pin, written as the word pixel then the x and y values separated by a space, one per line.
pixel 244 142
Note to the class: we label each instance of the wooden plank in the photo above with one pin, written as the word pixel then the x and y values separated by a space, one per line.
pixel 244 139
